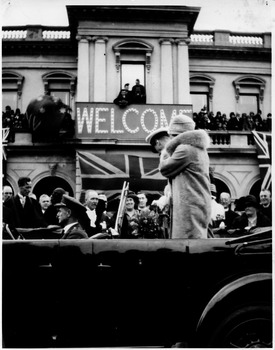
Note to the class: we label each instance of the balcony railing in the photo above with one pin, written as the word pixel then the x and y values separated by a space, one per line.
pixel 210 38
pixel 242 140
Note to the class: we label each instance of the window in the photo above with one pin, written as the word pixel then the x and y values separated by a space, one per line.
pixel 60 84
pixel 133 58
pixel 248 103
pixel 11 89
pixel 201 90
pixel 249 93
pixel 199 100
pixel 130 72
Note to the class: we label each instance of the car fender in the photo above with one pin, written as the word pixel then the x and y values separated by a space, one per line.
pixel 230 288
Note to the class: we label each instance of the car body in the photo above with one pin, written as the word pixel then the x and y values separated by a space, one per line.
pixel 214 292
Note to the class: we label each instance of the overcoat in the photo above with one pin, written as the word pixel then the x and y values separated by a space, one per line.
pixel 185 162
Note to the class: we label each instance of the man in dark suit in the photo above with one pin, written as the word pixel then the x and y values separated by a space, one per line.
pixel 230 215
pixel 25 211
pixel 69 214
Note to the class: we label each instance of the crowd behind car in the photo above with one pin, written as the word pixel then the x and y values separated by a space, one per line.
pixel 143 217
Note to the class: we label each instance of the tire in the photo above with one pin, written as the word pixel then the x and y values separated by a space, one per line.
pixel 245 327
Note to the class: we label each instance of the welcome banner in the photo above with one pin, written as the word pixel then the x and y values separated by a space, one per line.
pixel 108 121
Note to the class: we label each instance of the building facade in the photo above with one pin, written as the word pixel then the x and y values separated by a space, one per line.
pixel 86 65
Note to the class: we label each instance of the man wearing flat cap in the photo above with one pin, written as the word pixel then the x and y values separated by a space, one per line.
pixel 252 216
pixel 185 162
pixel 70 212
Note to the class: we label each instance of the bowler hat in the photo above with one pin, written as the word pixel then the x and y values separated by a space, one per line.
pixel 251 201
pixel 180 123
pixel 72 204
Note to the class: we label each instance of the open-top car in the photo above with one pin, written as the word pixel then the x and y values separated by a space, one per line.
pixel 214 292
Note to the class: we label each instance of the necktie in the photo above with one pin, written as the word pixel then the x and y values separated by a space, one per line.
pixel 23 201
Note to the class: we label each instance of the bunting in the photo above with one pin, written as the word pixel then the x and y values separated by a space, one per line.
pixel 107 172
pixel 263 143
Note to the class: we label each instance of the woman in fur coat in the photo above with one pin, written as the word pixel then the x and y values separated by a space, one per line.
pixel 185 162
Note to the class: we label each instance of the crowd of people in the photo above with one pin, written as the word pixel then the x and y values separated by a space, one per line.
pixel 71 219
pixel 234 122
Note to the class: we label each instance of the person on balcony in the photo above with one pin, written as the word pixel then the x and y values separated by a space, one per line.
pixel 124 97
pixel 138 93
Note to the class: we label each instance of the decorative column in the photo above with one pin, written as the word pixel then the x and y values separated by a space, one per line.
pixel 183 72
pixel 100 81
pixel 166 70
pixel 83 68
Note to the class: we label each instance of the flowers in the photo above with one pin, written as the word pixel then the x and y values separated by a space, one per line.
pixel 148 222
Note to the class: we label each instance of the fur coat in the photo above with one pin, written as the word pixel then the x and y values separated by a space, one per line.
pixel 185 162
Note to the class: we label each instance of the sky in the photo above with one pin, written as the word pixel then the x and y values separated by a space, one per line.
pixel 235 15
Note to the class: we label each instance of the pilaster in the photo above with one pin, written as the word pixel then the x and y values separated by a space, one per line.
pixel 183 71
pixel 83 68
pixel 166 70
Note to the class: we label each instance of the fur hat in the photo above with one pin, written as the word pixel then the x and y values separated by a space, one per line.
pixel 180 123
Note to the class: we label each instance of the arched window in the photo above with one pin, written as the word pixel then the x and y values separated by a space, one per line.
pixel 60 84
pixel 133 58
pixel 249 93
pixel 12 84
pixel 201 90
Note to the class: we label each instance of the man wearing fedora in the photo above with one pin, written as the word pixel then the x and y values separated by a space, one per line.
pixel 252 216
pixel 185 162
pixel 70 212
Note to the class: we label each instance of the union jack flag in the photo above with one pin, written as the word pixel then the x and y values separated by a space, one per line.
pixel 107 172
pixel 263 144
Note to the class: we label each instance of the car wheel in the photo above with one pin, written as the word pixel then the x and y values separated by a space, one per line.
pixel 246 327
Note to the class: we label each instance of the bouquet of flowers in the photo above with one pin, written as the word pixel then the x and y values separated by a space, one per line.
pixel 148 224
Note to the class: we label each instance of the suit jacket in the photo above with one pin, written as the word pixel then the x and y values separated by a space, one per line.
pixel 75 232
pixel 230 216
pixel 28 216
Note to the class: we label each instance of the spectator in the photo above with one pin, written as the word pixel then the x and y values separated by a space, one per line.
pixel 258 122
pixel 69 211
pixel 142 202
pixel 186 163
pixel 130 227
pixel 6 193
pixel 44 201
pixel 26 211
pixel 266 203
pixel 138 93
pixel 124 97
pixel 106 217
pixel 248 122
pixel 217 210
pixel 230 215
pixel 51 211
pixel 267 123
pixel 252 216
pixel 94 210
pixel 234 123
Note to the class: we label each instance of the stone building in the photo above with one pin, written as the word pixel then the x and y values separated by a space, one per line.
pixel 86 65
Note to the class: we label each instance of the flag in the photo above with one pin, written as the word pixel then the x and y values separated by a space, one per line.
pixel 263 145
pixel 107 172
